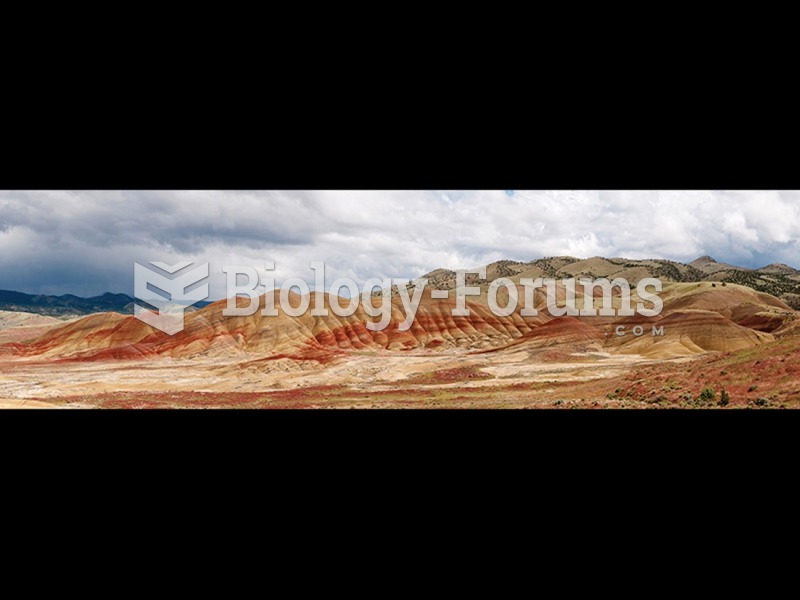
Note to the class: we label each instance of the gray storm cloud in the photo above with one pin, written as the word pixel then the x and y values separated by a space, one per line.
pixel 85 243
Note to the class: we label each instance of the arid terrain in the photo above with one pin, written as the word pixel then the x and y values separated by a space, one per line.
pixel 726 343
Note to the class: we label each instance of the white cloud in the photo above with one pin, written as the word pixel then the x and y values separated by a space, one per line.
pixel 86 242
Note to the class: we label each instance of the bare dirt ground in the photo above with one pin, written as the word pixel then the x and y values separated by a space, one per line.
pixel 764 377
pixel 368 379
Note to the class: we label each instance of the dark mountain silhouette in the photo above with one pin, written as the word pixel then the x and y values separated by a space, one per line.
pixel 66 305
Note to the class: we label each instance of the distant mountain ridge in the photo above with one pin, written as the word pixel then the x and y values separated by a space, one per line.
pixel 779 280
pixel 67 304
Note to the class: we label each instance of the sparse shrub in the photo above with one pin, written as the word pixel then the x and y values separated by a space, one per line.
pixel 707 396
pixel 724 284
pixel 723 372
pixel 761 402
pixel 752 388
pixel 713 285
pixel 724 398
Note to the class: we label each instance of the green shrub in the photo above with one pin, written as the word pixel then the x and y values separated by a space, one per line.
pixel 707 396
pixel 724 398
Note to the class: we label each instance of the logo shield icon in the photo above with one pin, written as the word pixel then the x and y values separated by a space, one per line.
pixel 167 293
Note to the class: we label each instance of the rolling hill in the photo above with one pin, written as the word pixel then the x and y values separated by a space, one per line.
pixel 779 280
pixel 697 318
pixel 708 307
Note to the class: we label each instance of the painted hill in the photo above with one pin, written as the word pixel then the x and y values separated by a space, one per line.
pixel 697 318
pixel 21 326
pixel 708 307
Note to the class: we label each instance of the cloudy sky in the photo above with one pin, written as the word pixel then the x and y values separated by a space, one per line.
pixel 85 243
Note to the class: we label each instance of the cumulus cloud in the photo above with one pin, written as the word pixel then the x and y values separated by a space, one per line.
pixel 86 242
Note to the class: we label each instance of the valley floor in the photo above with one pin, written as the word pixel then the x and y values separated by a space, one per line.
pixel 505 379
